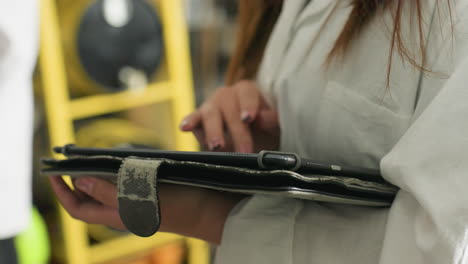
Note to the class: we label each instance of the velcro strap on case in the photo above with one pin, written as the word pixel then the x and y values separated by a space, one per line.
pixel 138 195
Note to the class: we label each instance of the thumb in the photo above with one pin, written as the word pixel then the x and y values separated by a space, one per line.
pixel 102 191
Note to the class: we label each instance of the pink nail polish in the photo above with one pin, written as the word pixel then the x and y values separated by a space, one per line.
pixel 245 116
pixel 215 144
pixel 183 125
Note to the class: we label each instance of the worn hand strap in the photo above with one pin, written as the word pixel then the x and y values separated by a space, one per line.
pixel 138 195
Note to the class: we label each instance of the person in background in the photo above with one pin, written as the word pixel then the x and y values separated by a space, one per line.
pixel 378 84
pixel 18 52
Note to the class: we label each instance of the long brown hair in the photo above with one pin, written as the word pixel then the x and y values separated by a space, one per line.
pixel 257 18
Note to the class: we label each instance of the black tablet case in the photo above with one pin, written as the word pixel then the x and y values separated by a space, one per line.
pixel 137 173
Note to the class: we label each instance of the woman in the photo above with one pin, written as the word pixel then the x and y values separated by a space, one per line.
pixel 355 82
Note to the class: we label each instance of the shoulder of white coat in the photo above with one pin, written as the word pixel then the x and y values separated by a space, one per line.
pixel 448 37
pixel 458 5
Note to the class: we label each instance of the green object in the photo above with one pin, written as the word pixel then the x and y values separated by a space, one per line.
pixel 32 245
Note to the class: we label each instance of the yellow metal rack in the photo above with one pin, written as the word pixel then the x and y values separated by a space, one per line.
pixel 62 111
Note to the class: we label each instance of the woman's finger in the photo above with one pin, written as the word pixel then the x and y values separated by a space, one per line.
pixel 239 131
pixel 65 195
pixel 101 190
pixel 88 211
pixel 213 127
pixel 94 213
pixel 249 100
pixel 79 194
pixel 191 121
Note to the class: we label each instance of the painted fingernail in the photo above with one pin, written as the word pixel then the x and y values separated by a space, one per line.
pixel 245 148
pixel 217 147
pixel 84 185
pixel 184 124
pixel 215 144
pixel 245 116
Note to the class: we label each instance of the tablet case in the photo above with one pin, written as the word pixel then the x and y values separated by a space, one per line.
pixel 137 174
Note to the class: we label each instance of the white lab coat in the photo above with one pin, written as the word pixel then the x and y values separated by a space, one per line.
pixel 416 131
pixel 18 50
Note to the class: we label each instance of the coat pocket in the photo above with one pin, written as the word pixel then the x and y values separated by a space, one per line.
pixel 356 129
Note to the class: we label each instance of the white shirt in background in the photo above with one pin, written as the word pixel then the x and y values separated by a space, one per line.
pixel 18 52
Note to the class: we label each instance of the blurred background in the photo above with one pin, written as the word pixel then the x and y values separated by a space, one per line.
pixel 121 73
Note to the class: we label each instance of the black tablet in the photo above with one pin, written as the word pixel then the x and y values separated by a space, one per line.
pixel 264 160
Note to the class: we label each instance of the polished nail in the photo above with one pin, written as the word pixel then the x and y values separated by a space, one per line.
pixel 184 124
pixel 245 116
pixel 217 147
pixel 215 144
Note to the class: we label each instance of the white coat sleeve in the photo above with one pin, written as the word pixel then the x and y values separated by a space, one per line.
pixel 428 221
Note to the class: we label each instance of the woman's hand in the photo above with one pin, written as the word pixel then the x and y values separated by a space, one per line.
pixel 185 210
pixel 235 118
pixel 93 201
